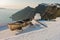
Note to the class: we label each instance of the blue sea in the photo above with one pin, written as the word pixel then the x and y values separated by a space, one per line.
pixel 5 15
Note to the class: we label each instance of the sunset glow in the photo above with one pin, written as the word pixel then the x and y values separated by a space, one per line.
pixel 23 3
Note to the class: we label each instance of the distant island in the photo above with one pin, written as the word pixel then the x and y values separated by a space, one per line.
pixel 2 8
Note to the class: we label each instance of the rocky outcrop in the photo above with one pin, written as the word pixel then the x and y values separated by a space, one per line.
pixel 46 11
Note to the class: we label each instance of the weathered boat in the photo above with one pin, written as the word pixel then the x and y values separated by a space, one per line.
pixel 18 26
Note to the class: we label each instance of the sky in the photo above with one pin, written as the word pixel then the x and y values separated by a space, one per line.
pixel 19 4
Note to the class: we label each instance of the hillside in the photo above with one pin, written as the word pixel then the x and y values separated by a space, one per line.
pixel 36 33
